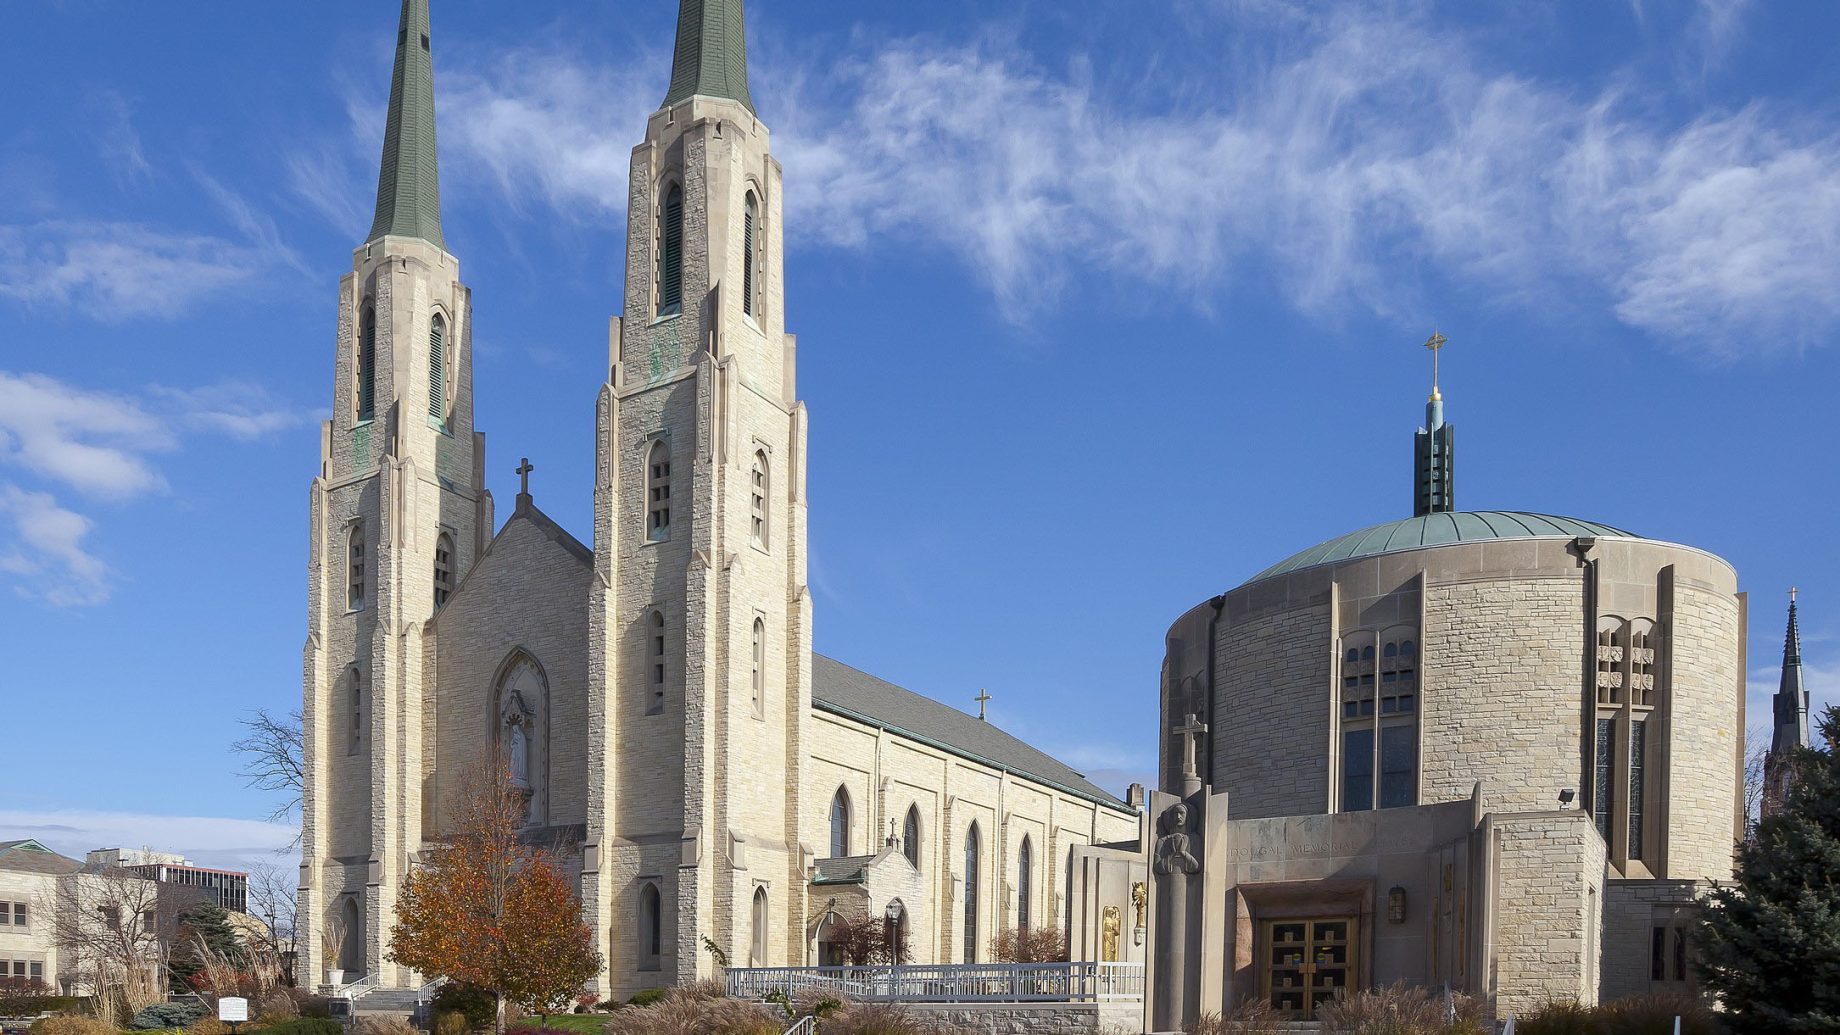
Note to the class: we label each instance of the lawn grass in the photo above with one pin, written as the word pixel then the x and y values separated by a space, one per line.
pixel 580 1023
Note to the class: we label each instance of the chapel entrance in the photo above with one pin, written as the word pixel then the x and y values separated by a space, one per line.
pixel 1306 963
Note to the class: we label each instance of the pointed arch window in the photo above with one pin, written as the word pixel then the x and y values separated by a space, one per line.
pixel 910 836
pixel 1025 882
pixel 658 492
pixel 655 662
pixel 367 366
pixel 355 568
pixel 762 482
pixel 671 251
pixel 437 369
pixel 759 678
pixel 840 823
pixel 759 947
pixel 750 274
pixel 651 926
pixel 443 569
pixel 973 852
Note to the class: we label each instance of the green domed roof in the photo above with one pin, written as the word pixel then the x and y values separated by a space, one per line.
pixel 1440 530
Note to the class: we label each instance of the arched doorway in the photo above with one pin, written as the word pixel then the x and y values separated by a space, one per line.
pixel 351 949
pixel 830 954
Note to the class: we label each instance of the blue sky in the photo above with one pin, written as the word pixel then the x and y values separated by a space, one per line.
pixel 1102 308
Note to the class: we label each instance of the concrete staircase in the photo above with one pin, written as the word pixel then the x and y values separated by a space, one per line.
pixel 400 1002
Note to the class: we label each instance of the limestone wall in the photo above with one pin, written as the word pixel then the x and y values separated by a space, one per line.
pixel 1632 911
pixel 1037 1018
pixel 1547 908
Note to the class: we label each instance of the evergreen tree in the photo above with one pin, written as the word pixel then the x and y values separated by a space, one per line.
pixel 204 928
pixel 1769 944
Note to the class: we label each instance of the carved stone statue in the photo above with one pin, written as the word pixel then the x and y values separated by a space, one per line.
pixel 517 737
pixel 1173 854
pixel 1108 942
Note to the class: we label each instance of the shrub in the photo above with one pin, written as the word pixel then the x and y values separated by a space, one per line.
pixel 166 1015
pixel 478 1005
pixel 1029 945
pixel 314 1007
pixel 648 996
pixel 1654 1015
pixel 680 1014
pixel 306 1026
pixel 883 1019
pixel 1399 1010
pixel 72 1026
pixel 1252 1017
pixel 207 1025
pixel 451 1022
pixel 1559 1017
pixel 278 1005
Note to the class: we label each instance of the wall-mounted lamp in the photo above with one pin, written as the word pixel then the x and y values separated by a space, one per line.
pixel 1396 905
pixel 1567 796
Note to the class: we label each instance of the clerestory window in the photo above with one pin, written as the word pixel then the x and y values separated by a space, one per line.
pixel 1379 720
pixel 840 824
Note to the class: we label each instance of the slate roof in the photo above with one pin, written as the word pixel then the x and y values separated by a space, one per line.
pixel 846 869
pixel 409 182
pixel 854 694
pixel 1440 530
pixel 711 54
pixel 28 856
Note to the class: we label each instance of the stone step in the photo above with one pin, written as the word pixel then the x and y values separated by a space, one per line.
pixel 387 1000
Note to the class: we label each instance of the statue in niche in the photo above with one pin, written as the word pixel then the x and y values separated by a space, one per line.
pixel 1140 897
pixel 1108 943
pixel 1173 854
pixel 517 739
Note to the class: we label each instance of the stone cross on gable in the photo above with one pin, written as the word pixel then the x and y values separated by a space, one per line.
pixel 1190 732
pixel 523 471
pixel 983 698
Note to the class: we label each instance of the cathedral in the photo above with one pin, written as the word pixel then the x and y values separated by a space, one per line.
pixel 653 691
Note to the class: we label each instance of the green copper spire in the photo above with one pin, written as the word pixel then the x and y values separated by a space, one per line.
pixel 711 56
pixel 409 186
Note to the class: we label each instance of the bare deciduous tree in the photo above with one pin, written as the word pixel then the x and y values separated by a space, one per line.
pixel 273 899
pixel 1756 751
pixel 272 759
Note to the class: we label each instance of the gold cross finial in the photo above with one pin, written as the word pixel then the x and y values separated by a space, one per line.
pixel 1792 594
pixel 1434 343
pixel 983 698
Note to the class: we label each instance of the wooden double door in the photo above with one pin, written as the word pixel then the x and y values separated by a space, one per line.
pixel 1307 962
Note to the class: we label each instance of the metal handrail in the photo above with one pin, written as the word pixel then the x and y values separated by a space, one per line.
pixel 356 990
pixel 805 1026
pixel 969 982
pixel 425 994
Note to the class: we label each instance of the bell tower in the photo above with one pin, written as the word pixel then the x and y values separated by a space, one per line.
pixel 399 512
pixel 701 623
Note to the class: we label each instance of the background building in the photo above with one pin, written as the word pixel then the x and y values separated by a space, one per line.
pixel 29 875
pixel 226 888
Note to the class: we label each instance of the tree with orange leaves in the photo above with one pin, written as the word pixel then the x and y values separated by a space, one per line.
pixel 488 910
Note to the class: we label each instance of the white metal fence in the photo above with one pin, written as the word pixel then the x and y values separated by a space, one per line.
pixel 951 983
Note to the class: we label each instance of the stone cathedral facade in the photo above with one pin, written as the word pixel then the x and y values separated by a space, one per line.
pixel 653 691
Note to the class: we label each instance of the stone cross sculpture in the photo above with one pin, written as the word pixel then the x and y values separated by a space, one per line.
pixel 1175 857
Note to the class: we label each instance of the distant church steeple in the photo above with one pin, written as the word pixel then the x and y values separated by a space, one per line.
pixel 409 186
pixel 711 55
pixel 1433 452
pixel 1791 718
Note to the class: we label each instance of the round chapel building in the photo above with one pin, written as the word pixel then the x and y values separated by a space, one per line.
pixel 1495 749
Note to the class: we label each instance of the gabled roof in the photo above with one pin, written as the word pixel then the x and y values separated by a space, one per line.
pixel 854 694
pixel 30 856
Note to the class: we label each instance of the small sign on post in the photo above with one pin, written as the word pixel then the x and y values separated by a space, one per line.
pixel 233 1010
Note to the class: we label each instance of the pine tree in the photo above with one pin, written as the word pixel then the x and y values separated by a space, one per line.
pixel 1769 944
pixel 490 911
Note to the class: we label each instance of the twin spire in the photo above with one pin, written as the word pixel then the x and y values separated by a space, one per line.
pixel 710 60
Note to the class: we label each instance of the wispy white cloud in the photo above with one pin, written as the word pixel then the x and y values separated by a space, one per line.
pixel 47 557
pixel 115 272
pixel 118 142
pixel 206 840
pixel 101 445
